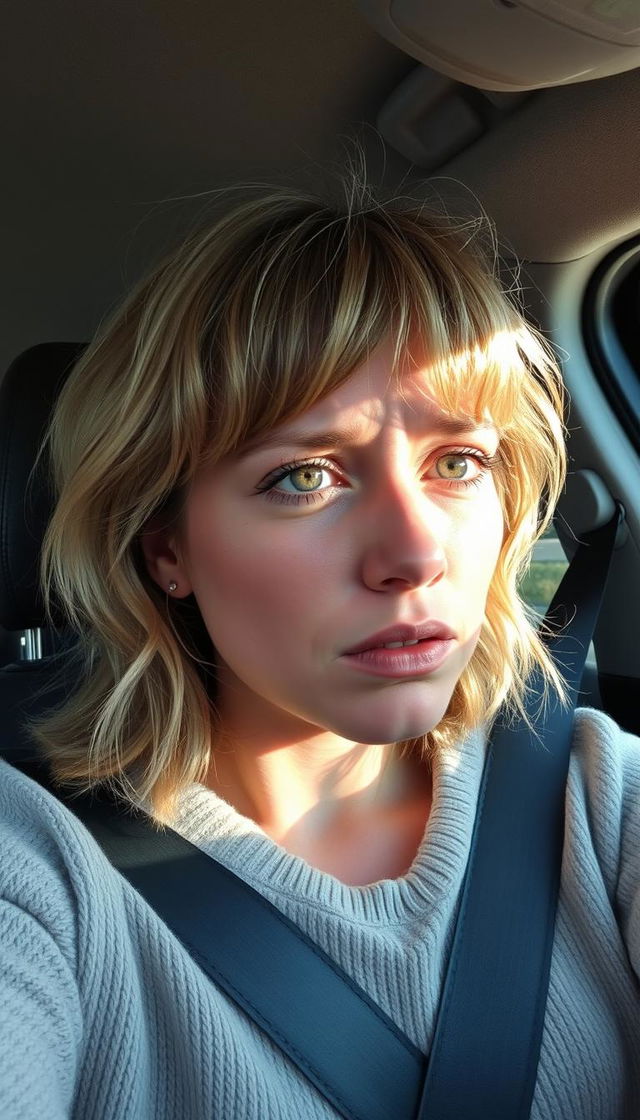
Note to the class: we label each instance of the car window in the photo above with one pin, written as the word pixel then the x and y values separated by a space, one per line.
pixel 540 583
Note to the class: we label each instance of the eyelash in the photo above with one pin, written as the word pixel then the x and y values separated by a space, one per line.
pixel 487 462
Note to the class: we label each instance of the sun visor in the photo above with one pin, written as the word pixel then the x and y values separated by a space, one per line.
pixel 501 45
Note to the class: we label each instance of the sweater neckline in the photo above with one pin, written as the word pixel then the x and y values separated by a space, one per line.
pixel 217 828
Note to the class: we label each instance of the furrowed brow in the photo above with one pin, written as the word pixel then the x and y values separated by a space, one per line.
pixel 337 438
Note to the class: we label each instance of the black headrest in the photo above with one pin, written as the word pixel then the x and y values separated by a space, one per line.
pixel 27 395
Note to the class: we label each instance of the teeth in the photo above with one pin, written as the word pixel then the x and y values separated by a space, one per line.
pixel 397 645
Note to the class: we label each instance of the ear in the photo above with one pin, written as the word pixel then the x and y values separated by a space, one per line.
pixel 163 562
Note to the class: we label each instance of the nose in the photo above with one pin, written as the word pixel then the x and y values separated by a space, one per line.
pixel 406 540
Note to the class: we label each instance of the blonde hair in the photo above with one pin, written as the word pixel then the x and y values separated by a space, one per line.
pixel 247 325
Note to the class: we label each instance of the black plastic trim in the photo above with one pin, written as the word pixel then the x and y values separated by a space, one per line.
pixel 620 696
pixel 616 278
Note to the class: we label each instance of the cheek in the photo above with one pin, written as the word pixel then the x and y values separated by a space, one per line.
pixel 478 546
pixel 263 583
pixel 493 539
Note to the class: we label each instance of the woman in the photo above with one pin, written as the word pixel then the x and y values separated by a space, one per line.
pixel 317 429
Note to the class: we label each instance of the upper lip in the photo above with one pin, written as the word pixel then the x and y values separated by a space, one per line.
pixel 404 632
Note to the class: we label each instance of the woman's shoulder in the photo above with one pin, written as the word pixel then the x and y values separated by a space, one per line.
pixel 606 756
pixel 33 817
pixel 50 865
pixel 603 792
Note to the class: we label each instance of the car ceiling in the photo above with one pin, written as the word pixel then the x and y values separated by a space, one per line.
pixel 119 119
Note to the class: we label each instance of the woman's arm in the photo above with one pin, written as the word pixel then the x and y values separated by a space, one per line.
pixel 40 1020
pixel 628 890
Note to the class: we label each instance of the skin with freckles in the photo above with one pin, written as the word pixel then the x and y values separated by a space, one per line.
pixel 383 531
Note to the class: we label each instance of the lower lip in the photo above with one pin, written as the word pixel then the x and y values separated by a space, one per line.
pixel 407 661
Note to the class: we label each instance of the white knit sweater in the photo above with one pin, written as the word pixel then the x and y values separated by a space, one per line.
pixel 104 1016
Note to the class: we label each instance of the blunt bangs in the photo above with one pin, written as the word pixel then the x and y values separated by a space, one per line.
pixel 319 293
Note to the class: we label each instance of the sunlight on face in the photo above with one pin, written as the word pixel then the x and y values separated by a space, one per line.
pixel 292 568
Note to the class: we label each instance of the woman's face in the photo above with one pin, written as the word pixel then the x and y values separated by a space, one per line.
pixel 373 535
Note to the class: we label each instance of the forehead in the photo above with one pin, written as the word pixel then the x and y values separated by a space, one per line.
pixel 380 391
pixel 377 394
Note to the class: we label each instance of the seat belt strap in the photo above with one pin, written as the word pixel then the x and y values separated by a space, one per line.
pixel 357 1058
pixel 486 1045
pixel 354 1054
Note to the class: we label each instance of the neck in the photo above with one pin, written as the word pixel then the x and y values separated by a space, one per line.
pixel 310 789
pixel 355 810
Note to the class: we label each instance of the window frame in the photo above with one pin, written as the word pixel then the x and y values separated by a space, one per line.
pixel 617 375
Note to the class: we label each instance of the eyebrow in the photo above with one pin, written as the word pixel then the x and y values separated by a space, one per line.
pixel 341 437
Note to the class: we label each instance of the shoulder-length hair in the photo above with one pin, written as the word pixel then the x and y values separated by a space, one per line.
pixel 247 325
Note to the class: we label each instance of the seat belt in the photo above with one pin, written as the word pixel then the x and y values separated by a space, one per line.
pixel 486 1044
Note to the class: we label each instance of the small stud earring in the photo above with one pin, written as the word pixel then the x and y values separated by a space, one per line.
pixel 173 586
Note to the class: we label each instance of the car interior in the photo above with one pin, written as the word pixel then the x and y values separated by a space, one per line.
pixel 121 124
